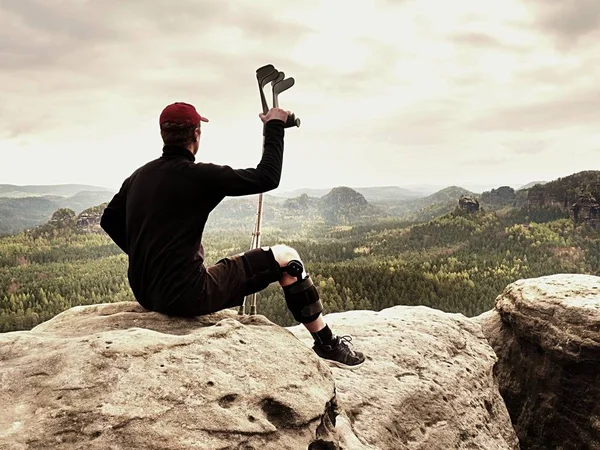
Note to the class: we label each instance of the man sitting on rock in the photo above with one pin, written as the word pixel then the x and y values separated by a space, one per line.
pixel 158 217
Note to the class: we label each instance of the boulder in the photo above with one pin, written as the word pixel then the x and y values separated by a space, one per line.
pixel 546 333
pixel 427 383
pixel 117 377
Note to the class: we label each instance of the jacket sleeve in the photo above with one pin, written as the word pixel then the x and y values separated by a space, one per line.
pixel 113 218
pixel 265 177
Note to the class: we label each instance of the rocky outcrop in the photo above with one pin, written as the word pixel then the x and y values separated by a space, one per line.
pixel 468 204
pixel 546 333
pixel 586 210
pixel 556 199
pixel 117 377
pixel 427 384
pixel 89 219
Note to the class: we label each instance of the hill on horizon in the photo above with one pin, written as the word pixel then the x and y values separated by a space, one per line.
pixel 339 206
pixel 426 208
pixel 388 193
pixel 61 190
pixel 371 193
pixel 21 212
pixel 530 185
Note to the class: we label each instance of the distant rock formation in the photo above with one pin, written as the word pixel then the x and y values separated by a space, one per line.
pixel 586 210
pixel 114 376
pixel 546 333
pixel 89 219
pixel 468 204
pixel 562 193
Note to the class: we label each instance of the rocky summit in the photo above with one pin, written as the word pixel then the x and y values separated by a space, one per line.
pixel 114 376
pixel 546 333
pixel 525 375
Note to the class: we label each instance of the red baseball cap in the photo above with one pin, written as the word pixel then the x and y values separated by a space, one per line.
pixel 182 113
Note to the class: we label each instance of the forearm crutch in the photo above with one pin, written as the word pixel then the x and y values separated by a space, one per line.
pixel 265 75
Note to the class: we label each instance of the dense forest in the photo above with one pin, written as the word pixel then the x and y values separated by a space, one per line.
pixel 458 262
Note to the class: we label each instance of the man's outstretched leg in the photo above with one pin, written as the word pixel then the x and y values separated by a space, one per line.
pixel 303 301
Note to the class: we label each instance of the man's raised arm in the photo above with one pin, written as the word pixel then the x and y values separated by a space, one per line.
pixel 266 176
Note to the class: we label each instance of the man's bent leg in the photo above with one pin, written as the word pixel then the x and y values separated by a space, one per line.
pixel 303 301
pixel 267 265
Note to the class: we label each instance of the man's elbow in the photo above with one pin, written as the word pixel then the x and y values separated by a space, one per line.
pixel 105 222
pixel 109 224
pixel 271 183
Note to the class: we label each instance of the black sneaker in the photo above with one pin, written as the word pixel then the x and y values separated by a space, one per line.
pixel 340 354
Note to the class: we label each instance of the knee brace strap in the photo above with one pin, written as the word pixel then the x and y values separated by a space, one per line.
pixel 262 269
pixel 303 301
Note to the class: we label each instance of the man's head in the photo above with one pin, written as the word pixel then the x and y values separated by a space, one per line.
pixel 180 125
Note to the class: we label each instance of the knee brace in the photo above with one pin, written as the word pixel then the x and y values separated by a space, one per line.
pixel 294 269
pixel 262 269
pixel 303 301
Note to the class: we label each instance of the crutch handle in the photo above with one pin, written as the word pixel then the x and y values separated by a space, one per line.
pixel 292 121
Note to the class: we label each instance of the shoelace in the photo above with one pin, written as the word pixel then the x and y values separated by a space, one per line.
pixel 348 342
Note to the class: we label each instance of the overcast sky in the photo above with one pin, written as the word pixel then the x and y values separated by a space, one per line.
pixel 394 92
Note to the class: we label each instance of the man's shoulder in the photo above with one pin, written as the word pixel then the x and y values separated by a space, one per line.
pixel 208 166
pixel 150 165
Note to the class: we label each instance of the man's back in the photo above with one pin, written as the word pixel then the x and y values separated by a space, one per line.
pixel 160 212
pixel 167 209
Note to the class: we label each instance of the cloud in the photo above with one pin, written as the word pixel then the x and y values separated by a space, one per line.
pixel 78 53
pixel 478 40
pixel 568 20
pixel 574 108
pixel 387 90
pixel 524 145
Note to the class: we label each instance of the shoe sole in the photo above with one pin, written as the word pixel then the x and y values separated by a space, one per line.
pixel 342 365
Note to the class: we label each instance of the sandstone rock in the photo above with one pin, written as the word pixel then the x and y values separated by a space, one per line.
pixel 117 377
pixel 586 210
pixel 546 333
pixel 88 221
pixel 427 383
pixel 468 204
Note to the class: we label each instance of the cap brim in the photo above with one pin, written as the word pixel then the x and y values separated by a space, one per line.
pixel 203 119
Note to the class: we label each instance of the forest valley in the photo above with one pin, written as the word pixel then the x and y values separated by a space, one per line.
pixel 459 261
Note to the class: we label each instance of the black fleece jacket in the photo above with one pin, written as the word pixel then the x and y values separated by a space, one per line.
pixel 158 216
